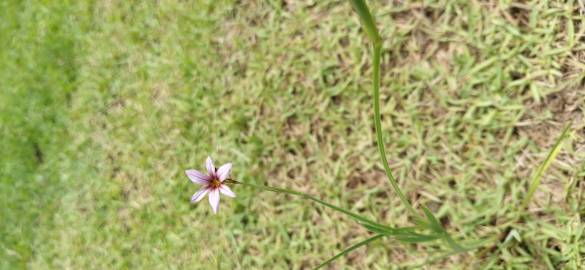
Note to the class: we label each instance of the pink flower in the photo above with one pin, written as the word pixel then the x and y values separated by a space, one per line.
pixel 212 182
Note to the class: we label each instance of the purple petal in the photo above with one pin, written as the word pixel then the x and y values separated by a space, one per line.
pixel 199 195
pixel 227 191
pixel 214 200
pixel 224 171
pixel 197 177
pixel 210 167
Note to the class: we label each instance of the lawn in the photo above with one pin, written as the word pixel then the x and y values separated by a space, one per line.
pixel 105 104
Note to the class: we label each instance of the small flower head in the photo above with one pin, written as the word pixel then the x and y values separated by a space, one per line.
pixel 212 183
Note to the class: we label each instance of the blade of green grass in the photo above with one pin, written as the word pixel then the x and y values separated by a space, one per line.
pixel 435 225
pixel 351 248
pixel 414 238
pixel 543 167
pixel 379 229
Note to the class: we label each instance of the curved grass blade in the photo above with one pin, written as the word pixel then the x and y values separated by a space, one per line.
pixel 351 248
pixel 433 223
pixel 543 167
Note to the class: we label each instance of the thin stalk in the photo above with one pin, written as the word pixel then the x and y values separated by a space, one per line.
pixel 361 8
pixel 312 198
pixel 377 47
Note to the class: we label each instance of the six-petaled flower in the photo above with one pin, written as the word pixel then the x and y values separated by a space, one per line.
pixel 212 183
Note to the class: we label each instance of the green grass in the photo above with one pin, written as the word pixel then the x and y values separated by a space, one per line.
pixel 104 104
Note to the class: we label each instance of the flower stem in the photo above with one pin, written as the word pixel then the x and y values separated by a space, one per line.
pixel 358 217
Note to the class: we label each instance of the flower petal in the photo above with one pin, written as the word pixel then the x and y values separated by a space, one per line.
pixel 197 177
pixel 210 167
pixel 227 191
pixel 224 171
pixel 199 195
pixel 214 200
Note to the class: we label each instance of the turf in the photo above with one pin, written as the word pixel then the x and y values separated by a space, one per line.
pixel 104 104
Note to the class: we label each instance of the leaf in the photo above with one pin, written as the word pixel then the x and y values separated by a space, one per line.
pixel 539 173
pixel 436 226
pixel 378 229
pixel 413 238
pixel 433 223
pixel 513 235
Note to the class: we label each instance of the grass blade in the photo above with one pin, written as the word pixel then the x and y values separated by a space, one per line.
pixel 549 159
pixel 414 238
pixel 433 223
pixel 378 229
pixel 349 249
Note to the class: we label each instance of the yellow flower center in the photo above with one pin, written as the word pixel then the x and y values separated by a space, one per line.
pixel 215 183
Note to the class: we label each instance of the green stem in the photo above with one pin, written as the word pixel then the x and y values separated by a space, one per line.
pixel 379 137
pixel 312 198
pixel 361 8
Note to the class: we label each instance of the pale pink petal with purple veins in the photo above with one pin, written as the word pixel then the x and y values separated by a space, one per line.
pixel 197 177
pixel 224 171
pixel 214 200
pixel 210 167
pixel 199 195
pixel 227 191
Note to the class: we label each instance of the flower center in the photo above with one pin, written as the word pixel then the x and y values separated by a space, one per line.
pixel 215 183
